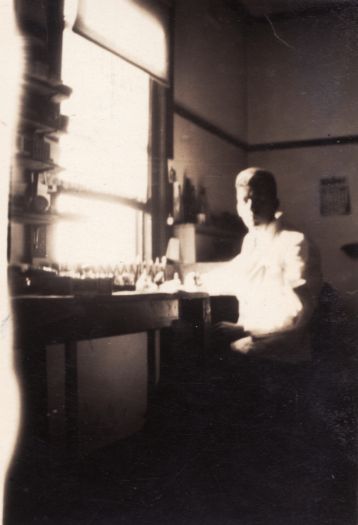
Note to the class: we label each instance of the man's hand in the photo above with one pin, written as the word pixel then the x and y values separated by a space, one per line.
pixel 228 331
pixel 244 345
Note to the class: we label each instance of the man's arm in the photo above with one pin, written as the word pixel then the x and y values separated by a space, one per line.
pixel 301 286
pixel 225 280
pixel 219 281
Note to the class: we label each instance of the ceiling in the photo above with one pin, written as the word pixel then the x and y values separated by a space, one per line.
pixel 260 8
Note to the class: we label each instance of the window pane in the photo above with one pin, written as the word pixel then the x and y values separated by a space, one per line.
pixel 105 233
pixel 106 148
pixel 136 30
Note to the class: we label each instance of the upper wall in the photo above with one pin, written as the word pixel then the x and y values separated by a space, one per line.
pixel 210 83
pixel 298 173
pixel 303 77
pixel 302 84
pixel 209 61
pixel 208 161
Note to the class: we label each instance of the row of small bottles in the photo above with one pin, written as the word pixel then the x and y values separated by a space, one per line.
pixel 143 275
pixel 138 274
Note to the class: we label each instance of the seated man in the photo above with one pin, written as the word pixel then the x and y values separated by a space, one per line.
pixel 276 277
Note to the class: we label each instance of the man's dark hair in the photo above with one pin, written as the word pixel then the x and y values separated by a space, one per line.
pixel 264 182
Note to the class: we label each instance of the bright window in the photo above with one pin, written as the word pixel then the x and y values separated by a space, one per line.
pixel 103 234
pixel 134 29
pixel 105 152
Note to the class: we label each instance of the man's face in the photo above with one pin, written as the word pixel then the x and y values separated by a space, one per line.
pixel 255 206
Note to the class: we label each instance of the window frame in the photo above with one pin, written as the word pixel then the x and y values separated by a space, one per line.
pixel 155 232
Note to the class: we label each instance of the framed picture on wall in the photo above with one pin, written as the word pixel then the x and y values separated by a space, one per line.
pixel 334 196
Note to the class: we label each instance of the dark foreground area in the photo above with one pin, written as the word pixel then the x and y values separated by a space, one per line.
pixel 216 449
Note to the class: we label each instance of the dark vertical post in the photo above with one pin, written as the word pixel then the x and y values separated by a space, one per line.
pixel 71 398
pixel 151 365
pixel 159 178
pixel 55 26
pixel 197 310
pixel 170 90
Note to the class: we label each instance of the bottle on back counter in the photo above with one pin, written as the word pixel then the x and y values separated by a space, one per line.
pixel 189 201
pixel 202 206
pixel 174 196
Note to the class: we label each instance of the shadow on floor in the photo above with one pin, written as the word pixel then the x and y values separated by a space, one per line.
pixel 204 458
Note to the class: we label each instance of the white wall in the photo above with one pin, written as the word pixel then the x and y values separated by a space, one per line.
pixel 209 62
pixel 207 160
pixel 298 175
pixel 305 91
pixel 210 81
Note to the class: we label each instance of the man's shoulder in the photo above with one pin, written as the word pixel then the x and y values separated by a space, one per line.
pixel 296 243
pixel 290 235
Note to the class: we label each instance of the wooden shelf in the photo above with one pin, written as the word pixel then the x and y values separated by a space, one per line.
pixel 40 117
pixel 51 88
pixel 40 105
pixel 37 126
pixel 214 231
pixel 27 162
pixel 204 242
pixel 25 217
pixel 21 216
